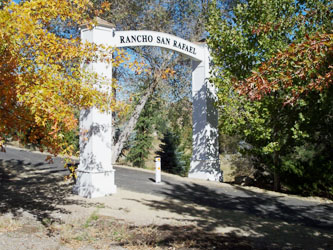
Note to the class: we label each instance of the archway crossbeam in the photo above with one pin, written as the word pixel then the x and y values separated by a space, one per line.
pixel 158 39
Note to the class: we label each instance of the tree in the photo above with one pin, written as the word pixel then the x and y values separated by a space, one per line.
pixel 259 48
pixel 302 76
pixel 300 69
pixel 135 114
pixel 143 138
pixel 176 147
pixel 41 76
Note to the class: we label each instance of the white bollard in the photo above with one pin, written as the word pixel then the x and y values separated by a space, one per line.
pixel 157 170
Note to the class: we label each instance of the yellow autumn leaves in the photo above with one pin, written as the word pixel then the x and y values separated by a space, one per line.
pixel 41 76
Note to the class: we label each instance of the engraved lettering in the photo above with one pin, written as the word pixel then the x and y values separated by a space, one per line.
pixel 144 38
pixel 174 43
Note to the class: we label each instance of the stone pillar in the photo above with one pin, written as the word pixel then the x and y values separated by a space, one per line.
pixel 95 171
pixel 205 162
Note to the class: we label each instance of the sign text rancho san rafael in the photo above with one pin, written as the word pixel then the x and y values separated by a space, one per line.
pixel 152 38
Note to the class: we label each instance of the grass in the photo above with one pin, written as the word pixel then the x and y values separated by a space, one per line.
pixel 101 232
pixel 92 218
pixel 8 224
pixel 100 205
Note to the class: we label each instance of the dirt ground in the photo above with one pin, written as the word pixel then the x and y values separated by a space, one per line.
pixel 38 211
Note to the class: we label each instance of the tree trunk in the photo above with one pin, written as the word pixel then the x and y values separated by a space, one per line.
pixel 277 185
pixel 114 99
pixel 117 148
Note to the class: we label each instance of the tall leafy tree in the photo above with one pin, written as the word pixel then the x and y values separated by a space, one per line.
pixel 258 74
pixel 40 73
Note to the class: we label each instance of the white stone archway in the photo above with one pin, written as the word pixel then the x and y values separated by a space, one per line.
pixel 95 172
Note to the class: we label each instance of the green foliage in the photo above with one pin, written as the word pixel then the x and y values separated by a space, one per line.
pixel 173 159
pixel 180 118
pixel 176 147
pixel 308 164
pixel 142 142
pixel 72 138
pixel 287 138
pixel 173 123
pixel 92 218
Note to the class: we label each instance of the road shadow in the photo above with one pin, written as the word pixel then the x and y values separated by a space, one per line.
pixel 38 189
pixel 269 221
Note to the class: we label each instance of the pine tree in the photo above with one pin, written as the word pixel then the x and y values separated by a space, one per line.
pixel 176 147
pixel 142 142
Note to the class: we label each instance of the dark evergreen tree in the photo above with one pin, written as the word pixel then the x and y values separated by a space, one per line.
pixel 171 156
pixel 176 147
pixel 143 135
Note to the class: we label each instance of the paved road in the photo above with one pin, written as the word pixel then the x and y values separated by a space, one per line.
pixel 213 195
